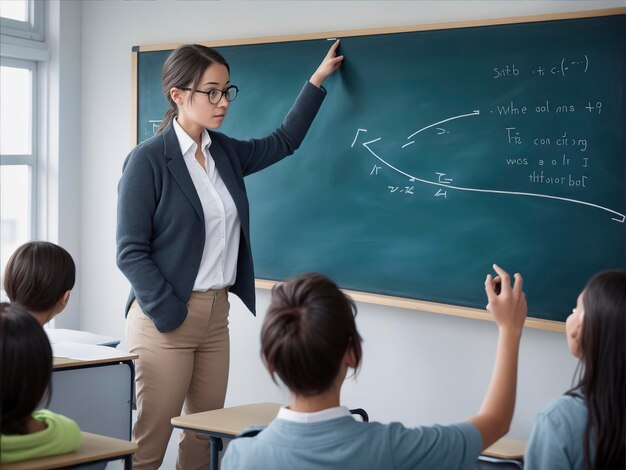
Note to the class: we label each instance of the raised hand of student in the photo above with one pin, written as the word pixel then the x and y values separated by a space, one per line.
pixel 507 303
pixel 329 65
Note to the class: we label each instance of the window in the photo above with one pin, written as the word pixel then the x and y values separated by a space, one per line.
pixel 22 18
pixel 18 155
pixel 22 37
pixel 15 10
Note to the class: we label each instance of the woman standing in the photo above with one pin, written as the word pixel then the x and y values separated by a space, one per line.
pixel 183 241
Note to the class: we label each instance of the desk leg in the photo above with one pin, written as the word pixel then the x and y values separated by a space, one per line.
pixel 128 462
pixel 216 446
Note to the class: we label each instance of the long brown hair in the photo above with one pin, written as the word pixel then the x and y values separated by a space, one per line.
pixel 602 371
pixel 184 68
pixel 308 329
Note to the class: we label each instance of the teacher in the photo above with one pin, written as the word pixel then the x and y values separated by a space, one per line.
pixel 183 242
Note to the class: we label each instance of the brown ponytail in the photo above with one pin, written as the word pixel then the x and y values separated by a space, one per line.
pixel 184 68
pixel 308 328
pixel 167 118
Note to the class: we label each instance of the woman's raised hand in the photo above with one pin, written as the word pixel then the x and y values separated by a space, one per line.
pixel 329 65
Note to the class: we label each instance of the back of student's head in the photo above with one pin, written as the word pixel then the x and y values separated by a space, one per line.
pixel 25 366
pixel 38 274
pixel 307 331
pixel 603 357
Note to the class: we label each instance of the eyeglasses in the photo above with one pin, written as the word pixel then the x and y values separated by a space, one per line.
pixel 215 95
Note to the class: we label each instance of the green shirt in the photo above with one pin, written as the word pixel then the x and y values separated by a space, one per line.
pixel 61 436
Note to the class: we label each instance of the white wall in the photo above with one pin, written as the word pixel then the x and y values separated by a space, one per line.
pixel 418 367
pixel 60 172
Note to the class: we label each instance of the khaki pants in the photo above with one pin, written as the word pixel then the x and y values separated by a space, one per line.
pixel 187 366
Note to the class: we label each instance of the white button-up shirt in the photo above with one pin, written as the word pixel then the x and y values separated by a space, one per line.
pixel 218 267
pixel 315 417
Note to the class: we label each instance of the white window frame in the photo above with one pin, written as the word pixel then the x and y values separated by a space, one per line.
pixel 31 159
pixel 33 28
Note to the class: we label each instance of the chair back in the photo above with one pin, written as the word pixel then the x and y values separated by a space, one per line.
pixel 362 413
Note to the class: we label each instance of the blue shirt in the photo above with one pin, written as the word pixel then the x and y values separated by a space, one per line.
pixel 344 443
pixel 556 441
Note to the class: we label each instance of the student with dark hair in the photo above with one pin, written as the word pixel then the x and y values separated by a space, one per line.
pixel 309 340
pixel 25 370
pixel 183 242
pixel 586 427
pixel 40 276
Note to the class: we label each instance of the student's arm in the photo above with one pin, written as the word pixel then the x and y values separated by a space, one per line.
pixel 509 311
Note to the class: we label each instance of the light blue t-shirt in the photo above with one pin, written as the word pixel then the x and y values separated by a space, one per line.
pixel 344 443
pixel 556 441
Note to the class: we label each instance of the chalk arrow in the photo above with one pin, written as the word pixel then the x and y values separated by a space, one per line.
pixel 445 183
pixel 476 112
pixel 365 144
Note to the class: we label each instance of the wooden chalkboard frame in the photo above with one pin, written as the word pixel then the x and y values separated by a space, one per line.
pixel 392 301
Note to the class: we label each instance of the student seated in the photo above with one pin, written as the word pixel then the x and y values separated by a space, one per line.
pixel 309 340
pixel 39 276
pixel 586 427
pixel 25 370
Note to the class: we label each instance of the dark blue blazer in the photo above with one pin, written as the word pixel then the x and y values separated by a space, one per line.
pixel 160 222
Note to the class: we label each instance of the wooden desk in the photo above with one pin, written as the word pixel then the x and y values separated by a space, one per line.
pixel 98 394
pixel 226 423
pixel 512 449
pixel 59 363
pixel 507 453
pixel 94 448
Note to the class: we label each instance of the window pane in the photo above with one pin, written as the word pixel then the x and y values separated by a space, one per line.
pixel 14 9
pixel 15 110
pixel 15 209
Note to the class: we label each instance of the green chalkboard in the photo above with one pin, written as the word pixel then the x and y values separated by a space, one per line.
pixel 437 153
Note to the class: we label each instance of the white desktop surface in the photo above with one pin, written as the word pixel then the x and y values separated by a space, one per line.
pixel 59 335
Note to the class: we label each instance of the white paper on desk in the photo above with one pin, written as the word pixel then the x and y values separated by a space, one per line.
pixel 85 352
pixel 58 335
